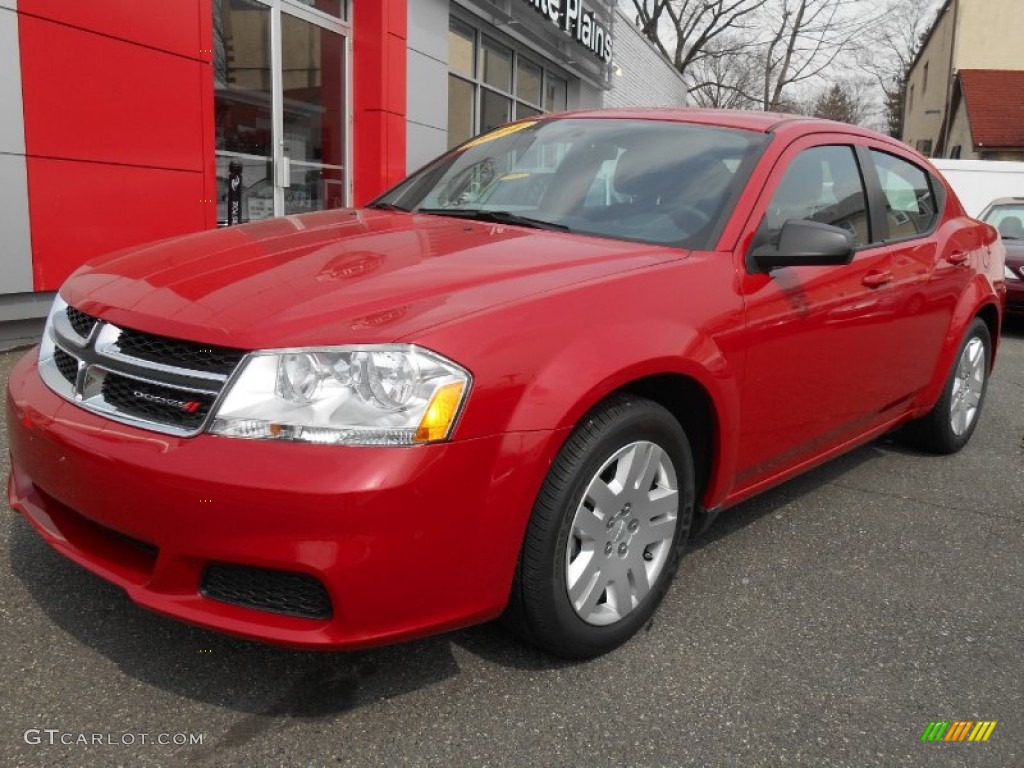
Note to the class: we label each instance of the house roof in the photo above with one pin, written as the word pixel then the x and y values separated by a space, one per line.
pixel 995 108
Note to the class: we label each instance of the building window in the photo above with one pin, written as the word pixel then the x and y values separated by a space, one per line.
pixel 337 8
pixel 490 83
pixel 924 146
pixel 924 83
pixel 954 154
pixel 910 99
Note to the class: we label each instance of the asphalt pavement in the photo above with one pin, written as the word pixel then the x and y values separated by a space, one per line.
pixel 824 623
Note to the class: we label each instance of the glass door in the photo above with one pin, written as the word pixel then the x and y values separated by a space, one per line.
pixel 280 105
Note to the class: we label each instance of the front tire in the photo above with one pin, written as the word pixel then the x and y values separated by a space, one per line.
pixel 949 425
pixel 607 530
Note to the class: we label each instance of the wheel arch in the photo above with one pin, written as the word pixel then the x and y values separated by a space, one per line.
pixel 977 301
pixel 698 408
pixel 990 314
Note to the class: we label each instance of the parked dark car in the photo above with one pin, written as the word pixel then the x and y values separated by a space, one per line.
pixel 1007 215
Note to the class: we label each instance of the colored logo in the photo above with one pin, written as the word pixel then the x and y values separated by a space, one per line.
pixel 958 730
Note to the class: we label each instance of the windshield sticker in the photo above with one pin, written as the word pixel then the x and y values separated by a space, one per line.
pixel 508 129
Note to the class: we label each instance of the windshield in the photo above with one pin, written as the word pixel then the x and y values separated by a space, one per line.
pixel 651 181
pixel 1008 219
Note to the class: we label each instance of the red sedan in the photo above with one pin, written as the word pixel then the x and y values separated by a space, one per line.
pixel 517 384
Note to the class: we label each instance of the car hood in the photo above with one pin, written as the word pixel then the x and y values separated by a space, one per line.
pixel 349 276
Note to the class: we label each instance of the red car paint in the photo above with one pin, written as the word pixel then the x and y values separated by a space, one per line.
pixel 795 366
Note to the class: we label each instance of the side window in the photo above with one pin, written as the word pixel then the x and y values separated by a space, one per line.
pixel 909 201
pixel 821 184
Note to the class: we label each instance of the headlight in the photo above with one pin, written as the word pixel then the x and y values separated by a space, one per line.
pixel 1009 274
pixel 392 394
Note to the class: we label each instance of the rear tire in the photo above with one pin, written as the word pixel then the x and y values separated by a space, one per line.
pixel 607 531
pixel 948 426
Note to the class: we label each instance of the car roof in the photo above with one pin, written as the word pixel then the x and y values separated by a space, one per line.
pixel 1006 201
pixel 760 122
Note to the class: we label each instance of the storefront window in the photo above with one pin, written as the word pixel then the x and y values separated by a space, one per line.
pixel 524 110
pixel 284 131
pixel 461 41
pixel 461 110
pixel 313 188
pixel 528 80
pixel 241 71
pixel 555 94
pixel 331 7
pixel 490 83
pixel 311 59
pixel 494 110
pixel 496 65
pixel 243 112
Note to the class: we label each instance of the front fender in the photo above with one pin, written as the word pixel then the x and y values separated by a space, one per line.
pixel 542 363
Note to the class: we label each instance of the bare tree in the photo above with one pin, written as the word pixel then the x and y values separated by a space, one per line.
pixel 757 53
pixel 687 31
pixel 806 38
pixel 725 78
pixel 893 45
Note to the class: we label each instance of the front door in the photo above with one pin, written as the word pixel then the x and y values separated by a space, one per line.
pixel 814 375
pixel 280 105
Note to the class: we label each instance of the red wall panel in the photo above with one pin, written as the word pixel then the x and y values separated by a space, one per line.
pixel 118 107
pixel 81 210
pixel 172 25
pixel 379 53
pixel 90 97
pixel 207 114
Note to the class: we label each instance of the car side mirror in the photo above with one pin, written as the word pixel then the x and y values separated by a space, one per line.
pixel 805 243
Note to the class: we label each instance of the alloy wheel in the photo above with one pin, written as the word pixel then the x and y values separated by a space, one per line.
pixel 622 533
pixel 968 386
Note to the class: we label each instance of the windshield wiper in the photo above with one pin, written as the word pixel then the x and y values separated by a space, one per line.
pixel 387 207
pixel 498 217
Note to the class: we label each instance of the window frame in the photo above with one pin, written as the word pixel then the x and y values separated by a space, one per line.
pixel 547 74
pixel 877 191
pixel 870 201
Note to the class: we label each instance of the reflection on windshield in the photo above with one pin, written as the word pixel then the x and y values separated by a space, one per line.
pixel 653 181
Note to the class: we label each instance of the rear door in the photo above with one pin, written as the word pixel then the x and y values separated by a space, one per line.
pixel 930 267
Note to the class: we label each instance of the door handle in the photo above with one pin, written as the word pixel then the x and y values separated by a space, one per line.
pixel 876 278
pixel 956 258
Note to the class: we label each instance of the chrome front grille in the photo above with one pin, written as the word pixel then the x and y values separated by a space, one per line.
pixel 81 322
pixel 149 381
pixel 157 403
pixel 188 354
pixel 67 365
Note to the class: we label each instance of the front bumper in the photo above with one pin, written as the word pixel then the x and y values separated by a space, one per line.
pixel 406 541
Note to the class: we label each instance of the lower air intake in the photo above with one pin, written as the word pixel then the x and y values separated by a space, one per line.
pixel 286 592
